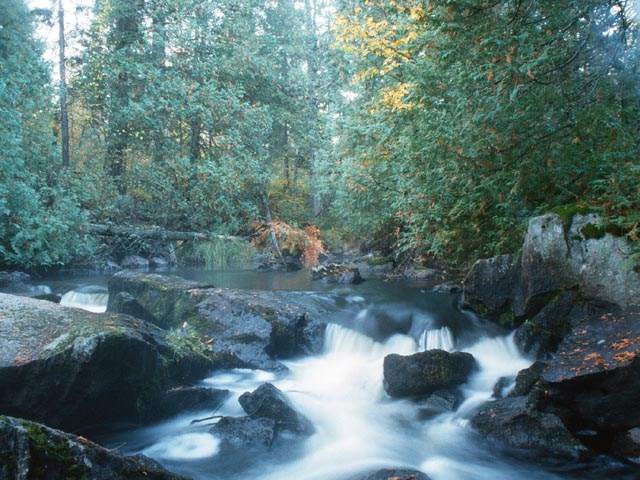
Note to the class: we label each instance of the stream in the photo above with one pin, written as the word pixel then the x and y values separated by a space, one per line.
pixel 359 428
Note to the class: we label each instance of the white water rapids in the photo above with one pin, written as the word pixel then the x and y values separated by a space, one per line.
pixel 360 429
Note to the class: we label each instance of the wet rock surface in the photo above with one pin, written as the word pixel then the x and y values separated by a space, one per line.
pixel 396 474
pixel 512 422
pixel 245 431
pixel 242 328
pixel 268 401
pixel 31 450
pixel 75 369
pixel 425 372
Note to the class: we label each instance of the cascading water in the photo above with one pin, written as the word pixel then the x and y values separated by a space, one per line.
pixel 359 428
pixel 441 338
pixel 92 298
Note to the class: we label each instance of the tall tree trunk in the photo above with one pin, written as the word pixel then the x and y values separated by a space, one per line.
pixel 312 61
pixel 64 116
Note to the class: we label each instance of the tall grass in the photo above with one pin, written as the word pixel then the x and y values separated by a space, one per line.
pixel 221 253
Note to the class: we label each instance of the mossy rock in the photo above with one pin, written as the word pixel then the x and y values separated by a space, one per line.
pixel 31 450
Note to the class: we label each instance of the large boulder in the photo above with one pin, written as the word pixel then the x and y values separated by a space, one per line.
pixel 555 259
pixel 488 288
pixel 426 372
pixel 593 381
pixel 75 369
pixel 267 401
pixel 247 329
pixel 31 450
pixel 167 301
pixel 511 422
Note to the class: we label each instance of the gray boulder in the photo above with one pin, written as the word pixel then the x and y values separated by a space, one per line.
pixel 246 329
pixel 426 372
pixel 510 422
pixel 245 431
pixel 31 450
pixel 75 369
pixel 268 401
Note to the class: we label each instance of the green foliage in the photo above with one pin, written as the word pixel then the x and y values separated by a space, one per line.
pixel 473 116
pixel 39 220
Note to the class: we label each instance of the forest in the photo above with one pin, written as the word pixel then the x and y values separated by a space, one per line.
pixel 435 129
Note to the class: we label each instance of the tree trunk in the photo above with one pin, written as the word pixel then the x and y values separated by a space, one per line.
pixel 64 116
pixel 152 233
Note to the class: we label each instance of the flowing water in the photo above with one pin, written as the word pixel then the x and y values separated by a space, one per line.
pixel 359 428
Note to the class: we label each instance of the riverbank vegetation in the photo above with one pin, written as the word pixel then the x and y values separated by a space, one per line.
pixel 436 128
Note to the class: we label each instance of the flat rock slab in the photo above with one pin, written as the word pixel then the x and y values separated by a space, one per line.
pixel 31 450
pixel 593 381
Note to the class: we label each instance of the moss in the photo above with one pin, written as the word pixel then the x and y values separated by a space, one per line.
pixel 52 455
pixel 568 211
pixel 377 261
pixel 591 231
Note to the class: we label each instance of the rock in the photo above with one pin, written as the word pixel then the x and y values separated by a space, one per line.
pixel 488 288
pixel 397 474
pixel 425 372
pixel 499 389
pixel 182 399
pixel 593 380
pixel 373 265
pixel 76 369
pixel 602 263
pixel 110 266
pixel 7 278
pixel 134 261
pixel 246 329
pixel 447 288
pixel 336 273
pixel 125 303
pixel 245 431
pixel 31 450
pixel 541 335
pixel 543 265
pixel 158 263
pixel 269 402
pixel 554 260
pixel 277 266
pixel 527 378
pixel 170 300
pixel 443 401
pixel 510 422
pixel 627 444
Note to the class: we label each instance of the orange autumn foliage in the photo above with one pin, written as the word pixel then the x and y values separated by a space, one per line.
pixel 295 241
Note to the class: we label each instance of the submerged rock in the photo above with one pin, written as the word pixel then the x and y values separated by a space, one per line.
pixel 511 422
pixel 75 369
pixel 242 328
pixel 268 401
pixel 31 450
pixel 245 431
pixel 397 474
pixel 425 372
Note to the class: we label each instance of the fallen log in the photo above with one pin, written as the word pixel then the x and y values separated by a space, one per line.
pixel 155 233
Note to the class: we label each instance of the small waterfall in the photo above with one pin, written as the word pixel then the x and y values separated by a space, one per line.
pixel 92 298
pixel 441 338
